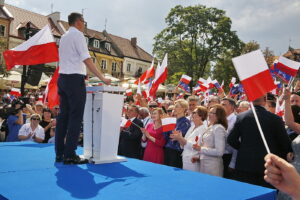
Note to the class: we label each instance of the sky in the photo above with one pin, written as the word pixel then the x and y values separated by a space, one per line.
pixel 272 23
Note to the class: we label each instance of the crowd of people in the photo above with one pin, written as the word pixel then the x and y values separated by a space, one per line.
pixel 216 135
pixel 26 118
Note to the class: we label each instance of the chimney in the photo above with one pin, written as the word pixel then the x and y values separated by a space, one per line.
pixel 133 41
pixel 2 2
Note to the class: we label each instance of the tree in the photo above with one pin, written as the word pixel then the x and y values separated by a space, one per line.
pixel 269 56
pixel 250 46
pixel 194 38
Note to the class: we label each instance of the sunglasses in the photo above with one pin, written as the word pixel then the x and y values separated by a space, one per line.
pixel 169 111
pixel 153 106
pixel 35 119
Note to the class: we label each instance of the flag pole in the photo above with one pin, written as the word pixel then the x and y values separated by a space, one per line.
pixel 291 82
pixel 259 128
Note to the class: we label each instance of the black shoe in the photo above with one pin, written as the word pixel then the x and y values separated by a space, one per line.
pixel 59 158
pixel 75 160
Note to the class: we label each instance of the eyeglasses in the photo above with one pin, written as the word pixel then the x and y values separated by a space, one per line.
pixel 152 106
pixel 56 108
pixel 169 111
pixel 37 119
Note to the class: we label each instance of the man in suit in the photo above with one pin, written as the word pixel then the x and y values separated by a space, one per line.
pixel 130 138
pixel 245 137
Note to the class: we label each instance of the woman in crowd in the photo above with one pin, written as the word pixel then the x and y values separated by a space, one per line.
pixel 172 149
pixel 154 137
pixel 170 110
pixel 192 136
pixel 47 123
pixel 32 131
pixel 212 143
pixel 290 122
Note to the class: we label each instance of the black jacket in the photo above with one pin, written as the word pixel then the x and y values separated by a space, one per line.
pixel 245 137
pixel 130 140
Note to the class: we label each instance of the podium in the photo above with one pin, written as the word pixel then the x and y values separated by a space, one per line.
pixel 101 124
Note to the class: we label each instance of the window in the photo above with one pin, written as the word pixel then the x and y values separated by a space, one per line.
pixel 87 40
pixel 94 60
pixel 128 67
pixel 103 64
pixel 2 30
pixel 96 44
pixel 107 46
pixel 114 66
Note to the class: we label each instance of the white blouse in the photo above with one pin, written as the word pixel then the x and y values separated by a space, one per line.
pixel 190 136
pixel 213 142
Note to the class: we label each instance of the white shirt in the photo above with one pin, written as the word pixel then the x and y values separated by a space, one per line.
pixel 73 51
pixel 231 121
pixel 26 130
pixel 188 151
pixel 146 121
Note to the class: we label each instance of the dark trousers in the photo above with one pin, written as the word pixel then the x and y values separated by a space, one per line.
pixel 72 93
pixel 252 178
pixel 173 158
pixel 226 162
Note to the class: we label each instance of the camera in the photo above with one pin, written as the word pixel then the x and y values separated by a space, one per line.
pixel 13 110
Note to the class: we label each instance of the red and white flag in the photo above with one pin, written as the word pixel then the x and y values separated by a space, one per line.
pixel 128 92
pixel 254 74
pixel 145 94
pixel 288 66
pixel 160 76
pixel 147 74
pixel 52 95
pixel 279 109
pixel 41 98
pixel 232 82
pixel 126 123
pixel 39 49
pixel 15 91
pixel 168 124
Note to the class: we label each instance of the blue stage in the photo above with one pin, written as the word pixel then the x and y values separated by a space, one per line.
pixel 28 172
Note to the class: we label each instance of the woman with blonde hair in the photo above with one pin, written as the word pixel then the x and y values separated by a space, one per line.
pixel 172 149
pixel 212 144
pixel 192 136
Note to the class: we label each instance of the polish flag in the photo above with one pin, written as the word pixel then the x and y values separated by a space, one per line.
pixel 288 66
pixel 168 124
pixel 39 49
pixel 232 82
pixel 145 94
pixel 128 92
pixel 160 76
pixel 147 74
pixel 126 123
pixel 41 98
pixel 254 74
pixel 203 84
pixel 52 92
pixel 279 109
pixel 15 92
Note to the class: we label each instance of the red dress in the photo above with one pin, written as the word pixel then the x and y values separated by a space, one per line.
pixel 154 151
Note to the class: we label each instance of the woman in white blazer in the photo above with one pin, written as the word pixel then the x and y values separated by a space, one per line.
pixel 192 136
pixel 212 144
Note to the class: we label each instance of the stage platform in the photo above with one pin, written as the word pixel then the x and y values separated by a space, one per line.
pixel 28 172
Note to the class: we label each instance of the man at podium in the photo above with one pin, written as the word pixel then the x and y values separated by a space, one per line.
pixel 74 57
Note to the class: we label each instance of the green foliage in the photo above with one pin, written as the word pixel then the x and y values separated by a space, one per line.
pixel 195 38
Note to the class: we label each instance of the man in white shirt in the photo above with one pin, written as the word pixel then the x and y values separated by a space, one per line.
pixel 74 57
pixel 229 105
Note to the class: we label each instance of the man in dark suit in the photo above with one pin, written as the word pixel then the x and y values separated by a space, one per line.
pixel 130 138
pixel 245 137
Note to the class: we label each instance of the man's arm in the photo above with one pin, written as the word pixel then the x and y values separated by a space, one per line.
pixel 89 63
